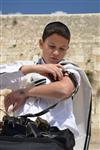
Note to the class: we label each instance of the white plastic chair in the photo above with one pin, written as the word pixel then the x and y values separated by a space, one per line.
pixel 82 109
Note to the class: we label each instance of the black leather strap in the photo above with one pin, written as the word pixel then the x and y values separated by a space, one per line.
pixel 72 77
pixel 41 112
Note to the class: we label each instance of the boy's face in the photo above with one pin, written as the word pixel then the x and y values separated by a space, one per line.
pixel 54 48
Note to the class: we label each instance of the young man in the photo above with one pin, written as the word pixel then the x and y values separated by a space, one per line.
pixel 54 44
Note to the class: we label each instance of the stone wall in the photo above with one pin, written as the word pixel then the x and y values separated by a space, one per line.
pixel 20 34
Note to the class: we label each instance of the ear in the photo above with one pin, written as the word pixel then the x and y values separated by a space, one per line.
pixel 41 43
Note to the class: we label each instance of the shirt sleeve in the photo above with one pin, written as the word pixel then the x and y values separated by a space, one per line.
pixel 76 74
pixel 9 68
pixel 72 69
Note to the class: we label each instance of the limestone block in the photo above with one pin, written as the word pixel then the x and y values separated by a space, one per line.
pixel 95 134
pixel 96 120
pixel 96 51
pixel 98 109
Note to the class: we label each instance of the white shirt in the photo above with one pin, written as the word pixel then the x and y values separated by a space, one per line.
pixel 62 115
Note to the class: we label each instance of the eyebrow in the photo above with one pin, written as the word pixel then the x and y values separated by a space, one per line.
pixel 63 46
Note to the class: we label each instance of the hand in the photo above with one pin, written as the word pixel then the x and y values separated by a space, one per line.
pixel 54 70
pixel 15 98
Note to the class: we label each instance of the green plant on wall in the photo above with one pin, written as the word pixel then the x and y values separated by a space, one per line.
pixel 14 22
pixel 89 75
pixel 14 45
pixel 98 92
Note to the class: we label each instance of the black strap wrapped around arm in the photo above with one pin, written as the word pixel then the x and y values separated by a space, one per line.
pixel 72 77
pixel 74 81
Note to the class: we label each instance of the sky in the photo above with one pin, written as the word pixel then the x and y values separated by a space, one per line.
pixel 49 6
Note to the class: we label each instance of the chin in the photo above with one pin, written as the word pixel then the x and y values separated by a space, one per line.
pixel 53 61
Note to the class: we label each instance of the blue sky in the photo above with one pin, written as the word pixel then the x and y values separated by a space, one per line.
pixel 49 6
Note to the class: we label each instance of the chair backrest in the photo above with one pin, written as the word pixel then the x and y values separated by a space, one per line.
pixel 10 80
pixel 82 109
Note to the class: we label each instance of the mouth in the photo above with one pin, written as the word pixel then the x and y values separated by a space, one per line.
pixel 54 60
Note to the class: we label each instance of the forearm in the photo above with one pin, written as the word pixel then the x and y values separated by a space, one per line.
pixel 55 90
pixel 58 89
pixel 54 70
pixel 28 69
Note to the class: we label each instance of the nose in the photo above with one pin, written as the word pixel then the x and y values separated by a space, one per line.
pixel 56 52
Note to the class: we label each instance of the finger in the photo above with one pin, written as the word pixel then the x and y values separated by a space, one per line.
pixel 59 66
pixel 54 73
pixel 10 110
pixel 59 74
pixel 15 107
pixel 6 103
pixel 61 70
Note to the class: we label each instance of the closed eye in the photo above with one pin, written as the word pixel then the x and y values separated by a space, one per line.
pixel 62 49
pixel 52 46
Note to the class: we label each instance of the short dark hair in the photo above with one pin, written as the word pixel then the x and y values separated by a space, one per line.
pixel 58 28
